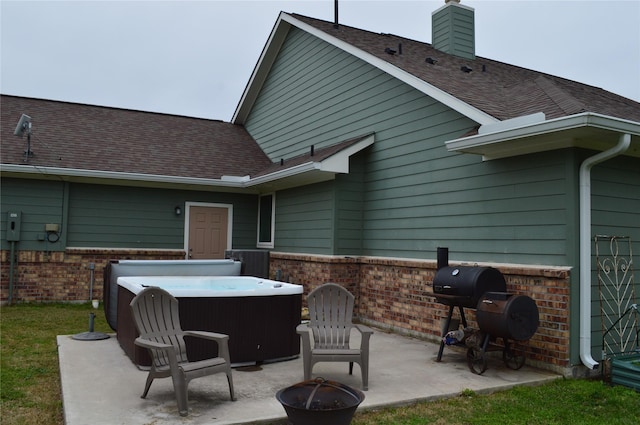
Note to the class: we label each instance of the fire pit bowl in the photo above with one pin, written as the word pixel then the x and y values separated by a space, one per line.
pixel 320 402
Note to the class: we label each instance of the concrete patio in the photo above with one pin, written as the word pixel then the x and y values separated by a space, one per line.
pixel 100 385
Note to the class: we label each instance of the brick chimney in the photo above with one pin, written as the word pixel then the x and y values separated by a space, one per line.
pixel 453 29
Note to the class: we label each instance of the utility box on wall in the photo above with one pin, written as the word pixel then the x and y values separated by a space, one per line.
pixel 14 219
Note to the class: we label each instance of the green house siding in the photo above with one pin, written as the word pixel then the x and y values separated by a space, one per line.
pixel 104 216
pixel 112 216
pixel 512 210
pixel 40 202
pixel 349 212
pixel 324 218
pixel 305 219
pixel 319 95
pixel 615 202
pixel 415 195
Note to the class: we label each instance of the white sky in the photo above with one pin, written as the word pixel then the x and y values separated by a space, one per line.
pixel 195 58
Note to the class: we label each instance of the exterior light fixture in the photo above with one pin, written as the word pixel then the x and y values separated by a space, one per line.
pixel 178 210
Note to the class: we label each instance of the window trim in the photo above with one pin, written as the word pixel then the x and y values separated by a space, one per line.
pixel 270 243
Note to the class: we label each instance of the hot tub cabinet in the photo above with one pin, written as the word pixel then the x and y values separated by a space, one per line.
pixel 261 322
pixel 118 268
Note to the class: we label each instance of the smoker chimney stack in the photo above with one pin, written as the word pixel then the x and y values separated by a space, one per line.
pixel 453 29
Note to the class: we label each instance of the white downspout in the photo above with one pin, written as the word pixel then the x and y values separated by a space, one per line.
pixel 585 245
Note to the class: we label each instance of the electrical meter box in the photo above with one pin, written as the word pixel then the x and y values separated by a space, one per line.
pixel 13 225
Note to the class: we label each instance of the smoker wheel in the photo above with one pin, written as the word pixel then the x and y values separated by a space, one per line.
pixel 514 359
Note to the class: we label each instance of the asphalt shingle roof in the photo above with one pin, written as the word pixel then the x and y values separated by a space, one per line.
pixel 78 136
pixel 70 135
pixel 501 90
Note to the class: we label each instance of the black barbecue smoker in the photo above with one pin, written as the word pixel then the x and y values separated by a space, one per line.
pixel 499 314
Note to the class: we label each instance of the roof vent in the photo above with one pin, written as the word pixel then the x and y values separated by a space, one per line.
pixel 466 69
pixel 390 51
pixel 431 60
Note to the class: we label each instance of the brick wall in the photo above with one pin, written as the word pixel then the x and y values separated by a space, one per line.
pixel 390 293
pixel 395 294
pixel 66 276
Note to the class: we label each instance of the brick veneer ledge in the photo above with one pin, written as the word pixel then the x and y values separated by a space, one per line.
pixel 396 294
pixel 391 293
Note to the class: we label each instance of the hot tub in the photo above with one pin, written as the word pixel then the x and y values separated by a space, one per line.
pixel 259 315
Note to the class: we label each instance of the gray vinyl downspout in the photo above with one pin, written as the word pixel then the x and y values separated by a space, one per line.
pixel 585 245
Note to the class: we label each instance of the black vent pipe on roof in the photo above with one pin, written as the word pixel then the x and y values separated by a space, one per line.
pixel 335 14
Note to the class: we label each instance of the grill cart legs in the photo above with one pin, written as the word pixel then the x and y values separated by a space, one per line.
pixel 480 343
pixel 446 328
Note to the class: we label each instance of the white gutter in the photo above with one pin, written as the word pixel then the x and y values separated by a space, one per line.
pixel 112 175
pixel 336 163
pixel 226 181
pixel 287 172
pixel 585 245
pixel 491 135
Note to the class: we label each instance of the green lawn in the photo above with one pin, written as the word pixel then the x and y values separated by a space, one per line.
pixel 30 383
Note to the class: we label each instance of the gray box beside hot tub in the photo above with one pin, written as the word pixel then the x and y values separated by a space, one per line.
pixel 255 262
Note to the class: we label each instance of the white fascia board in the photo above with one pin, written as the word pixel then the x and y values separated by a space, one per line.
pixel 288 172
pixel 441 96
pixel 335 164
pixel 261 70
pixel 111 175
pixel 339 163
pixel 521 121
pixel 277 37
pixel 586 119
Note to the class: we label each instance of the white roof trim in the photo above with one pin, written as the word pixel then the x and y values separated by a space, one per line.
pixel 282 174
pixel 261 70
pixel 113 175
pixel 277 36
pixel 337 163
pixel 334 164
pixel 509 141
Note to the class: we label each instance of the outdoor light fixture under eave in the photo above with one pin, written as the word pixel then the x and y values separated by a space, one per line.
pixel 24 125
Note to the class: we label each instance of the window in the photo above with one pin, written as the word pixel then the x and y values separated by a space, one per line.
pixel 266 220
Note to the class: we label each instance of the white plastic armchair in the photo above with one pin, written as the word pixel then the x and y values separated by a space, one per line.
pixel 330 325
pixel 156 315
